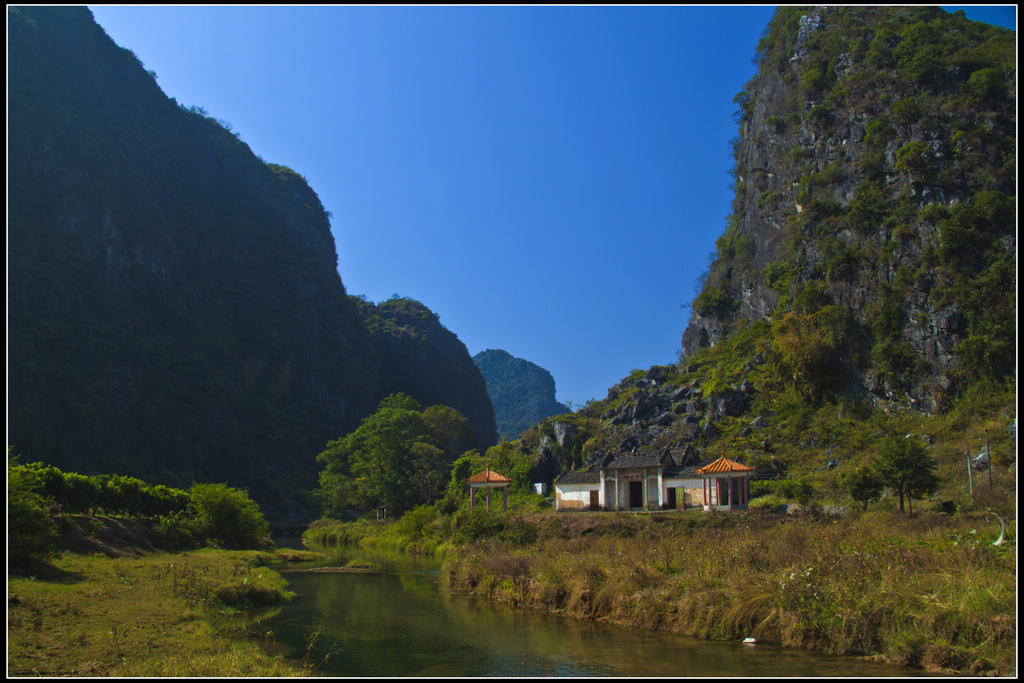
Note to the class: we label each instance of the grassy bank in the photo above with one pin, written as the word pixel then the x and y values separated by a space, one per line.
pixel 425 530
pixel 162 614
pixel 382 535
pixel 929 591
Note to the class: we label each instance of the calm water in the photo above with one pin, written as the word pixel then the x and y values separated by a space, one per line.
pixel 400 623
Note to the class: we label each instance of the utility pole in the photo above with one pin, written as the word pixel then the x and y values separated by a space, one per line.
pixel 970 479
pixel 988 449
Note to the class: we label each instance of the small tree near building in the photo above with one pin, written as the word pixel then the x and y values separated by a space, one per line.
pixel 864 486
pixel 904 465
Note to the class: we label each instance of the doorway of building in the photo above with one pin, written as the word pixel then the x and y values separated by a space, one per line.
pixel 636 494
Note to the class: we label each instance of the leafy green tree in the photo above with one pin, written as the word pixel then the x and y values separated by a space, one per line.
pixel 399 457
pixel 382 464
pixel 903 464
pixel 507 459
pixel 430 468
pixel 449 431
pixel 123 495
pixel 863 485
pixel 83 493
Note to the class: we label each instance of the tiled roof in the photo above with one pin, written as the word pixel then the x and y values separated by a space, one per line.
pixel 487 477
pixel 681 457
pixel 724 465
pixel 584 477
pixel 627 461
pixel 691 471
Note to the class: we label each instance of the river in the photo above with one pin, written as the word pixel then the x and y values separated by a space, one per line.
pixel 399 622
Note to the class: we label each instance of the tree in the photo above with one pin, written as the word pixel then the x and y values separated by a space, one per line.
pixel 863 485
pixel 430 470
pixel 514 464
pixel 381 466
pixel 904 465
pixel 399 457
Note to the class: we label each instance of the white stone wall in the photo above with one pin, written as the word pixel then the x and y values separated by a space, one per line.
pixel 573 496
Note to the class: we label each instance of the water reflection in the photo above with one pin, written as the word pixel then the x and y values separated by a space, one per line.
pixel 402 624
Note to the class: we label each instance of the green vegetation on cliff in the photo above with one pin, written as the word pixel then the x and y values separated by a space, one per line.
pixel 875 204
pixel 175 310
pixel 522 392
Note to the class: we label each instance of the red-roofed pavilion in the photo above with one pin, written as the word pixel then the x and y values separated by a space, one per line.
pixel 726 484
pixel 488 480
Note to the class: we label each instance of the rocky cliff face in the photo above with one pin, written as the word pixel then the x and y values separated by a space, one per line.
pixel 874 177
pixel 423 359
pixel 175 310
pixel 523 393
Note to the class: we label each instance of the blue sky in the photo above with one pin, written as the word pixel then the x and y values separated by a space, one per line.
pixel 549 180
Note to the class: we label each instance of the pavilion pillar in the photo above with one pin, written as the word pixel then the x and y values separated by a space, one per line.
pixel 504 499
pixel 472 497
pixel 488 498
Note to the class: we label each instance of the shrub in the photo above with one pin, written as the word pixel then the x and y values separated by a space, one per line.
pixel 478 524
pixel 914 158
pixel 792 489
pixel 227 515
pixel 906 110
pixel 713 298
pixel 31 531
pixel 986 85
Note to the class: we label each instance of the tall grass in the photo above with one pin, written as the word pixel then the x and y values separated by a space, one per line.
pixel 927 591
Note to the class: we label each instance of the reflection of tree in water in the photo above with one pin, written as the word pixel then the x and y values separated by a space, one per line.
pixel 388 625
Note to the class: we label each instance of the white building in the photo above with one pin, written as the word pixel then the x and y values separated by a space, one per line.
pixel 675 480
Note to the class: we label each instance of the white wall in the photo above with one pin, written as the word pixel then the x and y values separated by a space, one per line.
pixel 573 496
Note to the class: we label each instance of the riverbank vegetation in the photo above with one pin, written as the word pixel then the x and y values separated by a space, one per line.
pixel 99 583
pixel 891 555
pixel 43 500
pixel 930 591
pixel 165 614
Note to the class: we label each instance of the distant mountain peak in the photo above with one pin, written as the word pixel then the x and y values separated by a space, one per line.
pixel 523 393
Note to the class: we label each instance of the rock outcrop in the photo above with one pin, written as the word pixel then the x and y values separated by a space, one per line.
pixel 874 190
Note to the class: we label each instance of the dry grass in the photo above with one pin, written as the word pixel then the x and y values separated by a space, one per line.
pixel 925 591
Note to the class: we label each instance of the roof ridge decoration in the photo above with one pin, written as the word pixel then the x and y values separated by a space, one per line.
pixel 723 465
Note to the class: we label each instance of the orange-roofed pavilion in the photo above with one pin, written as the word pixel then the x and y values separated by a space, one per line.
pixel 488 480
pixel 726 484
